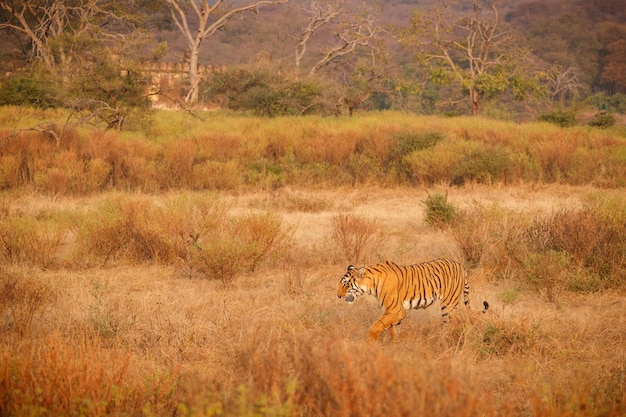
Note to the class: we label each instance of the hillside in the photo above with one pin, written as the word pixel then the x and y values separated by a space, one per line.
pixel 382 56
pixel 563 32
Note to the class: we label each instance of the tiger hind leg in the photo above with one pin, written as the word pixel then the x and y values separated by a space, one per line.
pixel 395 332
pixel 447 305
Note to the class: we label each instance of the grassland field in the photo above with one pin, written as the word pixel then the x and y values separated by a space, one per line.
pixel 161 301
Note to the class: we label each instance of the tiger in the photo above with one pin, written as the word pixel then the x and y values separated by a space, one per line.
pixel 400 288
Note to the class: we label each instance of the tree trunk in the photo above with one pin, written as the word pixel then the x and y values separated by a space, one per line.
pixel 474 96
pixel 194 79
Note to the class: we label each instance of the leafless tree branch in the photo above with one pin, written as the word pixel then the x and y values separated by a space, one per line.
pixel 210 17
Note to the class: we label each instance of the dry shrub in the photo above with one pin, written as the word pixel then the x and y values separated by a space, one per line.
pixel 60 178
pixel 24 296
pixel 178 159
pixel 299 376
pixel 595 237
pixel 264 233
pixel 479 232
pixel 124 229
pixel 358 238
pixel 95 176
pixel 131 164
pixel 108 147
pixel 292 374
pixel 290 200
pixel 295 275
pixel 9 167
pixel 472 333
pixel 16 169
pixel 56 182
pixel 60 377
pixel 28 240
pixel 310 154
pixel 140 168
pixel 222 148
pixel 332 149
pixel 575 231
pixel 226 245
pixel 556 157
pixel 213 175
pixel 32 143
pixel 305 203
pixel 376 143
pixel 72 172
pixel 575 249
pixel 548 271
pixel 502 338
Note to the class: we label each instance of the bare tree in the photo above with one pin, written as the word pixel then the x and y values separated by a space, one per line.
pixel 353 48
pixel 208 18
pixel 354 32
pixel 350 32
pixel 321 13
pixel 44 22
pixel 563 83
pixel 476 51
pixel 38 21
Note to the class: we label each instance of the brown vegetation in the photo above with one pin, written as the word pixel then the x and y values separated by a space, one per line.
pixel 143 335
pixel 230 152
pixel 210 302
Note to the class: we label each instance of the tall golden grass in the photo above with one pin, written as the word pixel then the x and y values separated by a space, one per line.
pixel 224 151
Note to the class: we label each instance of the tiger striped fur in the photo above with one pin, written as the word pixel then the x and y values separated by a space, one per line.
pixel 400 288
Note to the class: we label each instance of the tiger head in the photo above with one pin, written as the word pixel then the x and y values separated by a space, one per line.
pixel 348 286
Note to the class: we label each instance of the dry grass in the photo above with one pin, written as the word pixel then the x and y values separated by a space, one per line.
pixel 226 151
pixel 139 337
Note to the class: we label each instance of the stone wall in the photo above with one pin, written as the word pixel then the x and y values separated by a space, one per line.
pixel 168 81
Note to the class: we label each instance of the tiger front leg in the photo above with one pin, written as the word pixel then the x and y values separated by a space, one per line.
pixel 389 320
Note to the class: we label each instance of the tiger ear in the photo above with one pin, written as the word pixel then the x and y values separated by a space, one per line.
pixel 361 272
pixel 351 267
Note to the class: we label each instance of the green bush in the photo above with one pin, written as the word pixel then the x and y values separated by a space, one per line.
pixel 483 164
pixel 407 142
pixel 404 144
pixel 602 120
pixel 614 103
pixel 28 90
pixel 548 271
pixel 500 339
pixel 559 117
pixel 435 164
pixel 439 212
pixel 261 91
